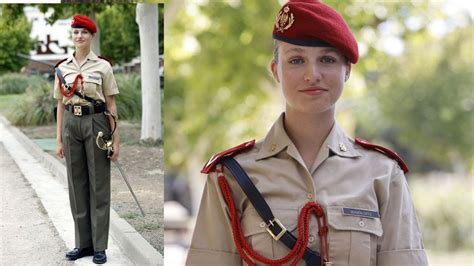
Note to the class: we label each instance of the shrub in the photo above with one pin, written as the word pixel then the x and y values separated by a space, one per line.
pixel 444 208
pixel 15 83
pixel 129 101
pixel 36 107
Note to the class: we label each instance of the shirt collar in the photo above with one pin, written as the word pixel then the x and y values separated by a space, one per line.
pixel 91 56
pixel 277 140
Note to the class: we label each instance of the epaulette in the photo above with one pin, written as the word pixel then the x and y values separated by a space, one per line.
pixel 209 166
pixel 106 59
pixel 59 62
pixel 384 151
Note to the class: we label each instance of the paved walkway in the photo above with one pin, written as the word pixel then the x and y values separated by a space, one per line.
pixel 25 223
pixel 27 235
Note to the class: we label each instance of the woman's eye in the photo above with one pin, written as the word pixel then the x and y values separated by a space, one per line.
pixel 327 59
pixel 296 61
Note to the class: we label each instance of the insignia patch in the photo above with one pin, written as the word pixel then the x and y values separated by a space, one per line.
pixel 284 19
pixel 360 213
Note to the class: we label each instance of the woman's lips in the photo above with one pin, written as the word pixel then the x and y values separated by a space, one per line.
pixel 313 90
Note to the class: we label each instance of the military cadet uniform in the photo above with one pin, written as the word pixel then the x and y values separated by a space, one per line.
pixel 88 167
pixel 365 216
pixel 364 193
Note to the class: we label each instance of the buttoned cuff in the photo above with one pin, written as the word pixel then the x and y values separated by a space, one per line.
pixel 198 257
pixel 402 257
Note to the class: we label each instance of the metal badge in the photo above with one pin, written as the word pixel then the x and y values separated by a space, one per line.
pixel 77 110
pixel 284 19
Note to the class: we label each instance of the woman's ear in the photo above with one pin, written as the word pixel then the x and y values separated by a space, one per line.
pixel 348 72
pixel 274 71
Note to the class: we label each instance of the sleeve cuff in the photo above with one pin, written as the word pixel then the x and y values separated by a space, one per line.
pixel 212 257
pixel 402 257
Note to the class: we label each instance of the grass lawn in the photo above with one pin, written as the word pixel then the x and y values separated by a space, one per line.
pixel 7 102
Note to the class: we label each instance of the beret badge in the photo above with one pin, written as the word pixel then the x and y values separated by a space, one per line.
pixel 284 19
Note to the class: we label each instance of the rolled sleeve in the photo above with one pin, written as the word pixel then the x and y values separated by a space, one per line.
pixel 401 242
pixel 212 242
pixel 415 257
pixel 109 85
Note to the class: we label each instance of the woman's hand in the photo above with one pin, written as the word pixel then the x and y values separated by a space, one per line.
pixel 115 154
pixel 60 149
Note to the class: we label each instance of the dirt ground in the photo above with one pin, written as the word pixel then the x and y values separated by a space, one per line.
pixel 143 165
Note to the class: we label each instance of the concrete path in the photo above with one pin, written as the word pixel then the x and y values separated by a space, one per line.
pixel 54 199
pixel 27 235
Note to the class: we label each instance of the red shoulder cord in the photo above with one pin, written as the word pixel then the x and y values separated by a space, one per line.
pixel 246 252
pixel 74 86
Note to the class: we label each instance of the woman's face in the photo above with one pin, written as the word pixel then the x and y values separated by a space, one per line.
pixel 81 37
pixel 312 78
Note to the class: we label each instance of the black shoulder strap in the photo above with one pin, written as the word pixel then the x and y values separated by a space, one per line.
pixel 274 226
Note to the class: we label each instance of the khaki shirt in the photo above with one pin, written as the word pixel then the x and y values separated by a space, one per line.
pixel 344 175
pixel 99 80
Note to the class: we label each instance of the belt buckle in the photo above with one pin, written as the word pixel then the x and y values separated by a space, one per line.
pixel 77 110
pixel 282 227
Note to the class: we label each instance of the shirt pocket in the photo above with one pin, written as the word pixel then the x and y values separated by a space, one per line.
pixel 352 239
pixel 92 84
pixel 258 237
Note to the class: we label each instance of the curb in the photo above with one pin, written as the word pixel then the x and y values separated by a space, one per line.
pixel 131 243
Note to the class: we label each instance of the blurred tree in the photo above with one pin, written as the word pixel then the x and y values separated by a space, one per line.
pixel 218 88
pixel 14 37
pixel 120 41
pixel 431 98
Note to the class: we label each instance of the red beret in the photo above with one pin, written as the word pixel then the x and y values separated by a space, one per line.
pixel 80 21
pixel 312 23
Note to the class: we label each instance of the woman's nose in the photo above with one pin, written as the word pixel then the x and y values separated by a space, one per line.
pixel 312 74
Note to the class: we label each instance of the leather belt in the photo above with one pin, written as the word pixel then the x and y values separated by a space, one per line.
pixel 80 110
pixel 274 226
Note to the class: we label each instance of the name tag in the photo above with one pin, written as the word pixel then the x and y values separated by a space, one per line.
pixel 360 213
pixel 93 77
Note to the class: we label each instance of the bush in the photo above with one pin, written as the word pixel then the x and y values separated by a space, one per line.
pixel 444 208
pixel 15 83
pixel 129 101
pixel 36 107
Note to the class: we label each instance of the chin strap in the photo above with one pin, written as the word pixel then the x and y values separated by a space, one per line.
pixel 296 253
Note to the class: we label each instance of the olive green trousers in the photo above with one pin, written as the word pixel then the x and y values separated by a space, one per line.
pixel 88 172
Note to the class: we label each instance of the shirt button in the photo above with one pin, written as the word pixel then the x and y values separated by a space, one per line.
pixel 262 224
pixel 361 223
pixel 309 195
pixel 311 238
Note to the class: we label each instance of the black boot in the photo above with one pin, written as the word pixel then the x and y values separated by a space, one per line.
pixel 99 257
pixel 78 253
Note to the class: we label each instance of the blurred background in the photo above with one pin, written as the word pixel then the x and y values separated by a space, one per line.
pixel 412 91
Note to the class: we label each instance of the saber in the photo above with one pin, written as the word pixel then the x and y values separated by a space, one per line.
pixel 106 145
pixel 119 167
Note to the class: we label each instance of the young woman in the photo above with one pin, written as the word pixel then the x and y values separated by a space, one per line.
pixel 306 193
pixel 85 88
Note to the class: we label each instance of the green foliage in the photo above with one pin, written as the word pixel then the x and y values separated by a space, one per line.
pixel 212 93
pixel 36 107
pixel 129 101
pixel 118 29
pixel 119 33
pixel 13 83
pixel 14 38
pixel 431 97
pixel 444 209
